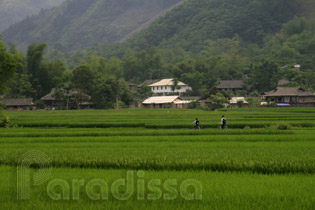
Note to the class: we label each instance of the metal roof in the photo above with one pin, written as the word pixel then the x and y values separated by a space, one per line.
pixel 51 96
pixel 178 101
pixel 167 82
pixel 160 100
pixel 289 91
pixel 18 102
pixel 230 84
pixel 234 100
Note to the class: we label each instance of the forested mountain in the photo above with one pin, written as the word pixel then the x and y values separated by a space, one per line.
pixel 79 24
pixel 205 28
pixel 13 11
pixel 194 23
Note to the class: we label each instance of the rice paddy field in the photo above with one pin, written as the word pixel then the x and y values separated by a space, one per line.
pixel 254 164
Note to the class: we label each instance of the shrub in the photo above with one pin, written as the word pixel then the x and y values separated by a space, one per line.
pixel 4 122
pixel 217 101
pixel 40 104
pixel 240 104
pixel 283 127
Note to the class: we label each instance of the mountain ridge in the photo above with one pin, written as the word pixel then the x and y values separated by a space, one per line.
pixel 79 24
pixel 13 11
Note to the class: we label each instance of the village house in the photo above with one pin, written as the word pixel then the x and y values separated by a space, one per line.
pixel 204 103
pixel 238 102
pixel 291 96
pixel 165 102
pixel 165 87
pixel 231 85
pixel 132 86
pixel 19 104
pixel 63 99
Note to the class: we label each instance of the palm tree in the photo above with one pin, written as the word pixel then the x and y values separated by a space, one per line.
pixel 175 85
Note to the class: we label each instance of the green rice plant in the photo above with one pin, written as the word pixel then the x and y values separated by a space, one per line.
pixel 253 153
pixel 237 191
pixel 80 132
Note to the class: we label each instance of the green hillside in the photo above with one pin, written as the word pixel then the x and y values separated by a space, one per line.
pixel 191 25
pixel 13 11
pixel 78 24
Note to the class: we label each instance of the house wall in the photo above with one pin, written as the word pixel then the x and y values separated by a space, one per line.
pixel 56 104
pixel 236 106
pixel 180 106
pixel 307 99
pixel 164 106
pixel 168 89
pixel 133 87
pixel 231 89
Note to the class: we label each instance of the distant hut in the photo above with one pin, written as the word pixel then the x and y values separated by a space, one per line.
pixel 238 102
pixel 67 99
pixel 132 86
pixel 19 104
pixel 231 85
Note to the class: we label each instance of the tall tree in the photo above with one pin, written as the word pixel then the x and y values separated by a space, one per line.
pixel 20 86
pixel 83 78
pixel 8 65
pixel 39 75
pixel 43 75
pixel 264 76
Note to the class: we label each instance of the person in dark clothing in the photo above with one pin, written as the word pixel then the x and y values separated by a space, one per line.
pixel 223 122
pixel 196 123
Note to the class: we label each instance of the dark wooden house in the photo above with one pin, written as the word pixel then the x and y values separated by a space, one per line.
pixel 19 104
pixel 231 85
pixel 67 99
pixel 293 96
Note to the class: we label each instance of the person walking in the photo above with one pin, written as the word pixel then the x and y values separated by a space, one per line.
pixel 196 123
pixel 223 122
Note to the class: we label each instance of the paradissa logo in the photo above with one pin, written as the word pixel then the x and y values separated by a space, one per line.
pixel 134 185
pixel 124 189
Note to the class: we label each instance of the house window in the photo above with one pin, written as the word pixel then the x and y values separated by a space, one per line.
pixel 161 87
pixel 157 88
pixel 165 87
pixel 153 88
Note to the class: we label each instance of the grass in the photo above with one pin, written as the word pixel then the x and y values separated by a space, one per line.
pixel 252 165
pixel 164 118
pixel 159 153
pixel 220 191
